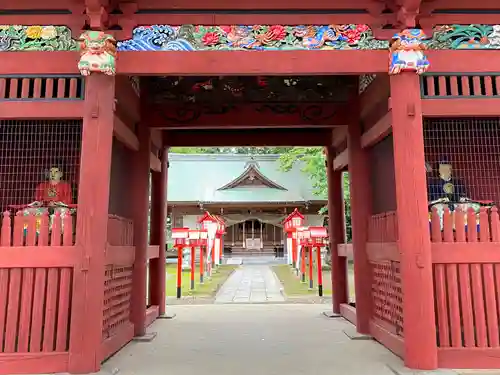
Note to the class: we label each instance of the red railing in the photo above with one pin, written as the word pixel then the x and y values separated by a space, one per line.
pixel 469 226
pixel 37 230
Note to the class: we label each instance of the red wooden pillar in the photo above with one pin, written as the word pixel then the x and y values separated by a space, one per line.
pixel 360 212
pixel 413 222
pixel 158 220
pixel 139 179
pixel 92 224
pixel 336 232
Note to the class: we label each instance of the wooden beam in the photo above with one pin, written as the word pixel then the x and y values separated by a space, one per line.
pixel 128 101
pixel 247 116
pixel 50 109
pixel 375 92
pixel 217 62
pixel 461 107
pixel 124 134
pixel 341 161
pixel 246 137
pixel 378 131
pixel 155 163
pixel 339 135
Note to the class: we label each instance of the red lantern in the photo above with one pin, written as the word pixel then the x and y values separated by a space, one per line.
pixel 293 221
pixel 318 236
pixel 180 235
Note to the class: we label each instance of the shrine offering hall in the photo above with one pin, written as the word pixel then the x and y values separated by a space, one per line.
pixel 402 95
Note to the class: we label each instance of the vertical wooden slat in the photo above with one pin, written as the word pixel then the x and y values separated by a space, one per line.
pixel 31 230
pixel 38 310
pixel 442 86
pixel 25 87
pixel 55 239
pixel 4 298
pixel 18 232
pixel 478 300
pixel 73 85
pixel 37 88
pixel 3 86
pixel 460 225
pixel 447 226
pixel 476 84
pixel 49 326
pixel 14 84
pixel 465 86
pixel 68 229
pixel 49 88
pixel 431 90
pixel 43 237
pixel 454 86
pixel 5 234
pixel 61 86
pixel 471 225
pixel 491 305
pixel 488 85
pixel 466 305
pixel 495 225
pixel 436 235
pixel 13 306
pixel 63 310
pixel 454 305
pixel 26 304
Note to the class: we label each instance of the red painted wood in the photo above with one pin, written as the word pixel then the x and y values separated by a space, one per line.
pixel 151 315
pixel 33 363
pixel 49 326
pixel 360 212
pixel 246 117
pixel 215 63
pixel 473 358
pixel 25 87
pixel 258 137
pixel 488 85
pixel 114 343
pixel 38 310
pixel 390 340
pixel 91 226
pixel 466 91
pixel 454 305
pixel 442 85
pixel 442 305
pixel 490 298
pixel 454 85
pixel 466 305
pixel 25 316
pixel 476 84
pixel 41 110
pixel 348 312
pixel 413 223
pixel 140 198
pixel 336 232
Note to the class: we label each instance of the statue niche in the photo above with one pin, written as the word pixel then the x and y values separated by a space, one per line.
pixel 53 195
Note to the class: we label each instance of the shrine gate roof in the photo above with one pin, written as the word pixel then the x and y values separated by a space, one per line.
pixel 228 178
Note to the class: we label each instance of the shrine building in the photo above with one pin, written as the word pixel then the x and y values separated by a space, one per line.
pixel 250 192
pixel 404 95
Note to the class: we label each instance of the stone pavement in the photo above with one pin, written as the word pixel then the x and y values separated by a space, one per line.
pixel 246 339
pixel 251 284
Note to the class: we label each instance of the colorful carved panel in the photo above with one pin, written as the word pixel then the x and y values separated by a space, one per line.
pixel 36 38
pixel 311 37
pixel 236 37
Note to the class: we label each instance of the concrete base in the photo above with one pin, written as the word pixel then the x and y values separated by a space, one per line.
pixel 330 314
pixel 148 337
pixel 166 316
pixel 401 370
pixel 355 335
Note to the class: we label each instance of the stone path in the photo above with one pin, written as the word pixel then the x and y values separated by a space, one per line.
pixel 251 284
pixel 249 339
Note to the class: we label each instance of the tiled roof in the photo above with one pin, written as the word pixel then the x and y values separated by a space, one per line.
pixel 198 178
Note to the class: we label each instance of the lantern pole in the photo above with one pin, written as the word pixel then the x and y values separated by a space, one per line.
pixel 311 264
pixel 179 270
pixel 320 271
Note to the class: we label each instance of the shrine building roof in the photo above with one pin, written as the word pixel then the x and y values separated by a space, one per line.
pixel 236 178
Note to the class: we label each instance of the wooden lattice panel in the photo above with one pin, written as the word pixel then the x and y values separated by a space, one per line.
pixel 387 295
pixel 117 294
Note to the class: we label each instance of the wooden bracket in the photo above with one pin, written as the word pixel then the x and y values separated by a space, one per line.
pixel 85 264
pixel 97 14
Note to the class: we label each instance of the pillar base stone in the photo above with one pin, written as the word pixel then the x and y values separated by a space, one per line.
pixel 148 337
pixel 355 335
pixel 167 316
pixel 330 314
pixel 402 370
